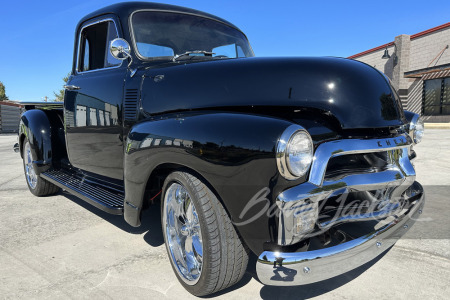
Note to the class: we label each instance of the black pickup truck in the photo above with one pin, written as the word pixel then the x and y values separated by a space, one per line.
pixel 306 162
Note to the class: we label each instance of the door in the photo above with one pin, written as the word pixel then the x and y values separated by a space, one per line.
pixel 93 101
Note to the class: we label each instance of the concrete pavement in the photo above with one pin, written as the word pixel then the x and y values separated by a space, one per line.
pixel 437 125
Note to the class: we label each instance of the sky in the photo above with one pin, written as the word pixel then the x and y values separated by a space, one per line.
pixel 37 36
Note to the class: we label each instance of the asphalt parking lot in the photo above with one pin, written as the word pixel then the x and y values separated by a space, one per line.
pixel 60 247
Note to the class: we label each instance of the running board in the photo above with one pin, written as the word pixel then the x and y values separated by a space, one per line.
pixel 99 197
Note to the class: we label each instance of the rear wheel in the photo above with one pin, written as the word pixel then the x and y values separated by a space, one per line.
pixel 206 253
pixel 37 185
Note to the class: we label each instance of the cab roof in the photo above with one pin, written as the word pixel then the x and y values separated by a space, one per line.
pixel 124 9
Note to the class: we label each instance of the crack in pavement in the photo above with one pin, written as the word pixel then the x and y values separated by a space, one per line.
pixel 12 179
pixel 414 250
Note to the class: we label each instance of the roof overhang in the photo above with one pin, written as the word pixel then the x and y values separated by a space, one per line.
pixel 430 73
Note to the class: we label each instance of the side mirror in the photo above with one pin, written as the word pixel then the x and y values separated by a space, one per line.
pixel 120 49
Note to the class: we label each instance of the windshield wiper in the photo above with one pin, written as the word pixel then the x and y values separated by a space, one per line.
pixel 192 52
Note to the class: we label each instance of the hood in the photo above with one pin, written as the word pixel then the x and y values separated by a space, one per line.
pixel 357 95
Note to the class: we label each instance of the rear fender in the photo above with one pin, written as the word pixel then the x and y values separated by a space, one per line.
pixel 35 127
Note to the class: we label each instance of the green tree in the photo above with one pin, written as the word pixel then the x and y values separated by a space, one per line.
pixel 59 96
pixel 2 92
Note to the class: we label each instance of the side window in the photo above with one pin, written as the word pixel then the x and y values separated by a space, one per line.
pixel 94 51
pixel 231 51
pixel 226 50
pixel 240 51
pixel 112 34
pixel 85 66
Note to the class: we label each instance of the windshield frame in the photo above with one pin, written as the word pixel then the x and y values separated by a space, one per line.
pixel 166 58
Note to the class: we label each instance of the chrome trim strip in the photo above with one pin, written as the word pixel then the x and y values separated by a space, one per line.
pixel 331 149
pixel 312 266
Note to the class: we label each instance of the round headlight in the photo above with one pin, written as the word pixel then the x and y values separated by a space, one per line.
pixel 294 152
pixel 416 128
pixel 418 131
pixel 299 153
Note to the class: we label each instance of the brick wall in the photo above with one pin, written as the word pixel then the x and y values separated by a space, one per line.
pixel 425 48
pixel 374 59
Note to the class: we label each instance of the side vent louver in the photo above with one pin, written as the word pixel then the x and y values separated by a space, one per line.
pixel 130 104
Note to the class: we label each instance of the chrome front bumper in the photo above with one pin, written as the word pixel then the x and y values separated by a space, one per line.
pixel 397 178
pixel 299 268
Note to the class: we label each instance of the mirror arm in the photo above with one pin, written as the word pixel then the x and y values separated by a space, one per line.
pixel 132 71
pixel 131 60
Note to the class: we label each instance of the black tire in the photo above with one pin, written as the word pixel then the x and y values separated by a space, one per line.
pixel 40 187
pixel 225 256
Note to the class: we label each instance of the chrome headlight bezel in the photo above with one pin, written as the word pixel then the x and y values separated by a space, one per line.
pixel 282 156
pixel 416 129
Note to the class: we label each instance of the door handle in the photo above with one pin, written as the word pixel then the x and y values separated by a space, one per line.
pixel 71 87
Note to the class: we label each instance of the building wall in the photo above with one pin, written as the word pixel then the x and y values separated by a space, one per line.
pixel 413 53
pixel 414 99
pixel 9 118
pixel 425 48
pixel 374 59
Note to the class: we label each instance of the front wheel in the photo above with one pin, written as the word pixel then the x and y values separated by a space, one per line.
pixel 37 185
pixel 206 253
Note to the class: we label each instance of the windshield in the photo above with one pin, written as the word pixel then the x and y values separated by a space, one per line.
pixel 166 34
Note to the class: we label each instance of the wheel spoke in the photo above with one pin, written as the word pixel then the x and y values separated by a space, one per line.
pixel 198 248
pixel 188 245
pixel 189 208
pixel 179 257
pixel 191 260
pixel 180 197
pixel 170 220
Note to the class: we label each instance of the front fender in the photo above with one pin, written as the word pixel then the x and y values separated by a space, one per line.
pixel 35 126
pixel 234 153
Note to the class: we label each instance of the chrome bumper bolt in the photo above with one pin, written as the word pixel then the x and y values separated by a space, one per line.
pixel 306 270
pixel 378 244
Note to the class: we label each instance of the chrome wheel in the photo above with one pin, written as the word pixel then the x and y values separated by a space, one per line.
pixel 183 233
pixel 29 169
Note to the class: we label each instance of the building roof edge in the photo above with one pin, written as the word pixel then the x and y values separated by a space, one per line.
pixel 412 37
